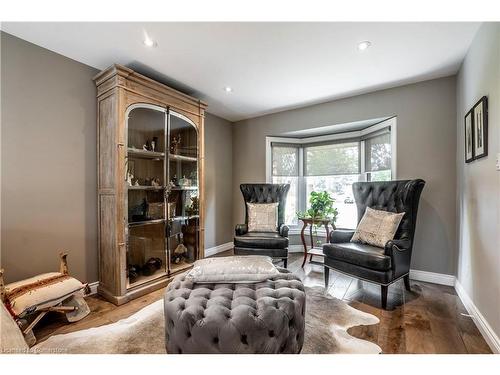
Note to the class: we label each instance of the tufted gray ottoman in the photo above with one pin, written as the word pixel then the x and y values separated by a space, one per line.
pixel 265 317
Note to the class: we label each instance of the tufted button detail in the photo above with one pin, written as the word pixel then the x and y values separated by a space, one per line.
pixel 234 309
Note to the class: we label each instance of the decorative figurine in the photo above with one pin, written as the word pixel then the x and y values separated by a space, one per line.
pixel 174 180
pixel 140 212
pixel 184 181
pixel 169 187
pixel 133 272
pixel 155 182
pixel 194 208
pixel 151 266
pixel 130 176
pixel 179 253
pixel 154 143
pixel 174 144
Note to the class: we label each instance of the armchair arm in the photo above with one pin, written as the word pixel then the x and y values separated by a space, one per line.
pixel 240 229
pixel 284 230
pixel 341 235
pixel 399 251
pixel 396 245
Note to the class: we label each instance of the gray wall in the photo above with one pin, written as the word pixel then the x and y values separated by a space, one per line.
pixel 218 181
pixel 426 146
pixel 478 182
pixel 48 160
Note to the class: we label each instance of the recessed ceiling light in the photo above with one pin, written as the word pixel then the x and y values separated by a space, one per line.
pixel 364 45
pixel 228 89
pixel 148 42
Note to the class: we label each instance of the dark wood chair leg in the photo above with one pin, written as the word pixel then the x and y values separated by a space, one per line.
pixel 384 289
pixel 407 283
pixel 285 262
pixel 327 276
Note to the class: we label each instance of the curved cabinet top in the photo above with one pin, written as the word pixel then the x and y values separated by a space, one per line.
pixel 141 89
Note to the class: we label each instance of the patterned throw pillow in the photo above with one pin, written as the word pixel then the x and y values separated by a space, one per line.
pixel 377 227
pixel 262 217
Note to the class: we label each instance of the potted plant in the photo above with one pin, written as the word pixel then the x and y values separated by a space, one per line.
pixel 321 209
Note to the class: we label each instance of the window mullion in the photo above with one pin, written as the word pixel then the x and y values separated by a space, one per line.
pixel 302 181
pixel 362 160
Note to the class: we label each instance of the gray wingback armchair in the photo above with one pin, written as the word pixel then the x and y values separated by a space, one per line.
pixel 273 244
pixel 381 266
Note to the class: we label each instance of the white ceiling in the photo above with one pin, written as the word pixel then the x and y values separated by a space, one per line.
pixel 270 66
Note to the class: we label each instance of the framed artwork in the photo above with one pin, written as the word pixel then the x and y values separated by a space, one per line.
pixel 480 125
pixel 469 137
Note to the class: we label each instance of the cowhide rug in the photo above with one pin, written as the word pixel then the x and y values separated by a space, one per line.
pixel 327 321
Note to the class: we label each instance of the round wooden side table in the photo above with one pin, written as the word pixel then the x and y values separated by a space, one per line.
pixel 313 251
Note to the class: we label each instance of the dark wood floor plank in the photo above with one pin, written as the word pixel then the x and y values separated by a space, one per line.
pixel 418 334
pixel 392 336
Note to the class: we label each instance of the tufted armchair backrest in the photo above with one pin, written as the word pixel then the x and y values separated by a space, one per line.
pixel 266 193
pixel 392 196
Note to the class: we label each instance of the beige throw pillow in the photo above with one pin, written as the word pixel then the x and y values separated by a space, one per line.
pixel 262 217
pixel 377 227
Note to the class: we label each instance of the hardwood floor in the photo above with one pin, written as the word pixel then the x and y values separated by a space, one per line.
pixel 426 320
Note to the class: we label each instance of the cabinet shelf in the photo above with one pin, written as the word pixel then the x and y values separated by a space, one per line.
pixel 145 222
pixel 141 279
pixel 136 152
pixel 145 187
pixel 174 268
pixel 180 218
pixel 180 188
pixel 182 158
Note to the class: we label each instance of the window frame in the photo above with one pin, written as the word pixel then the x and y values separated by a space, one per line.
pixel 354 136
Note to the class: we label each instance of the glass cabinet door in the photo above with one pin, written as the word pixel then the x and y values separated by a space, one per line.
pixel 182 203
pixel 145 204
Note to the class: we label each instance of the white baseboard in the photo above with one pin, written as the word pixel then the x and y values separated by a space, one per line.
pixel 93 288
pixel 482 324
pixel 432 277
pixel 218 249
pixel 295 249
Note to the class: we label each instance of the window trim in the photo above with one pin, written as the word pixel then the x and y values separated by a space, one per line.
pixel 355 136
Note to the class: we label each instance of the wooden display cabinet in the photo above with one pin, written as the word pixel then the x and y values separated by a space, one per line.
pixel 150 183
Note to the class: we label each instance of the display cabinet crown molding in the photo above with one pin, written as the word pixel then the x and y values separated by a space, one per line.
pixel 120 76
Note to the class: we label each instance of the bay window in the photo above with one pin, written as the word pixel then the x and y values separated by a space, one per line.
pixel 330 164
